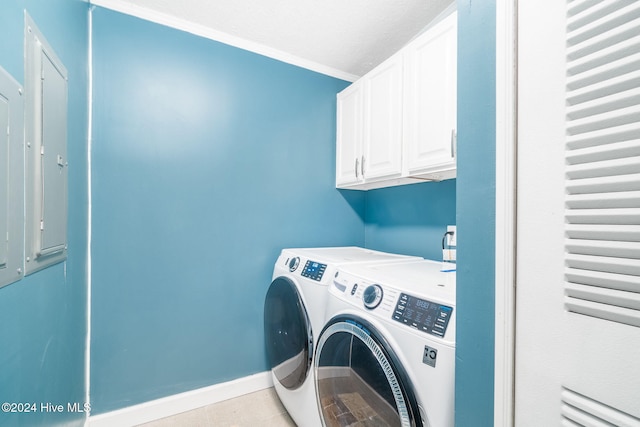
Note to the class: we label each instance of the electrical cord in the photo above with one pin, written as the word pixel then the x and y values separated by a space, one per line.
pixel 445 237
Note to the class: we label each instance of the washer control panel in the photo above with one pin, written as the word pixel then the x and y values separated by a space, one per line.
pixel 423 315
pixel 314 270
pixel 396 305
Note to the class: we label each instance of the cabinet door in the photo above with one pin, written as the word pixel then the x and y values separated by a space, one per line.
pixel 349 136
pixel 382 156
pixel 430 100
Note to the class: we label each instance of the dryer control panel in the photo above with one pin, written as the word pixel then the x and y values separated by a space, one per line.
pixel 313 270
pixel 421 314
pixel 302 266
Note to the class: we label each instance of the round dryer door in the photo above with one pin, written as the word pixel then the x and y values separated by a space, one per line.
pixel 287 330
pixel 359 380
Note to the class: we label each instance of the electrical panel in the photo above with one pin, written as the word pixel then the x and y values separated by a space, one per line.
pixel 11 179
pixel 46 153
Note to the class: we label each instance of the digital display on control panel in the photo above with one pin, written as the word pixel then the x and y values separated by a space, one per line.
pixel 423 315
pixel 314 270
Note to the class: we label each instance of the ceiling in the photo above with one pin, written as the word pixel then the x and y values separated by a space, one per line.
pixel 343 38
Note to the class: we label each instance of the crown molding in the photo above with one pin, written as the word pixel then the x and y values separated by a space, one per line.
pixel 219 36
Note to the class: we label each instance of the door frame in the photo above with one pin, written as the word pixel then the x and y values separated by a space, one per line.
pixel 505 234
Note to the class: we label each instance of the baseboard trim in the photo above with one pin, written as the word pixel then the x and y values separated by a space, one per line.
pixel 178 403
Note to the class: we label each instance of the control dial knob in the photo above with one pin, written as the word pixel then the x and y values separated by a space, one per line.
pixel 293 264
pixel 372 296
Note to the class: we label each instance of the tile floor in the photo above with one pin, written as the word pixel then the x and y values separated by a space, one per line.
pixel 262 408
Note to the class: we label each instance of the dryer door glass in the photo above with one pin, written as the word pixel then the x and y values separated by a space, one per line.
pixel 287 330
pixel 359 380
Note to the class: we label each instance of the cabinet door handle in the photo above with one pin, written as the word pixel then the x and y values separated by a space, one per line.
pixel 357 167
pixel 362 166
pixel 453 143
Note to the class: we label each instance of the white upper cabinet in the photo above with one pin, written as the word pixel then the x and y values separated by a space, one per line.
pixel 383 121
pixel 369 125
pixel 397 124
pixel 349 135
pixel 430 102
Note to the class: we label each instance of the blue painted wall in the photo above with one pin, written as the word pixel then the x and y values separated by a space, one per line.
pixel 410 219
pixel 43 317
pixel 207 160
pixel 476 213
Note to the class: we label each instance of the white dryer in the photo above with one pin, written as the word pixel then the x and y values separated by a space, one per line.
pixel 386 355
pixel 294 314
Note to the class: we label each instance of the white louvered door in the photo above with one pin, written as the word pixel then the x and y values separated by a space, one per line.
pixel 578 213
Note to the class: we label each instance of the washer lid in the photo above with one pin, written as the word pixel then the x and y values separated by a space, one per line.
pixel 347 254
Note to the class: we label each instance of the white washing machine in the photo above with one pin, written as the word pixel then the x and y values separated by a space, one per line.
pixel 386 355
pixel 294 314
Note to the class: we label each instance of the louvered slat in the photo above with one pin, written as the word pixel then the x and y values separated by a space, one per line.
pixel 604 216
pixel 627 132
pixel 604 264
pixel 623 233
pixel 610 85
pixel 568 423
pixel 602 247
pixel 603 311
pixel 612 117
pixel 595 11
pixel 609 24
pixel 622 299
pixel 604 184
pixel 605 105
pixel 611 151
pixel 604 56
pixel 582 419
pixel 608 71
pixel 621 282
pixel 601 34
pixel 604 168
pixel 626 199
pixel 585 411
pixel 577 6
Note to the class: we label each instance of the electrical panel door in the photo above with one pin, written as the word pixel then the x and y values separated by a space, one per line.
pixel 53 227
pixel 11 179
pixel 4 180
pixel 46 153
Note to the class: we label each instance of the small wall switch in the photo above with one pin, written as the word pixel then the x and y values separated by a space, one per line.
pixel 452 239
